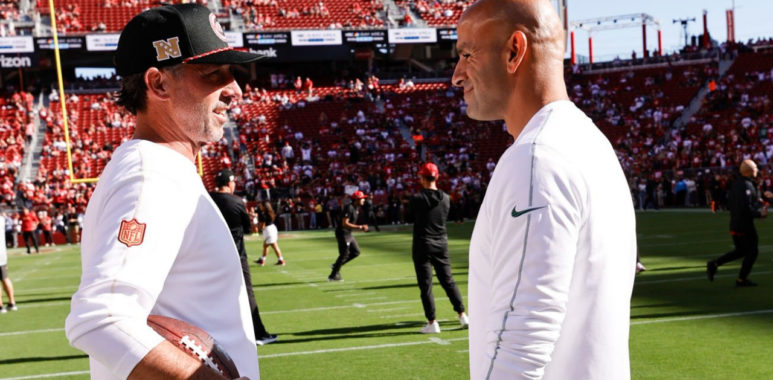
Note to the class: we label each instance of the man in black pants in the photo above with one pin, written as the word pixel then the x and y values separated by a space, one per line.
pixel 348 249
pixel 745 205
pixel 370 214
pixel 430 208
pixel 235 215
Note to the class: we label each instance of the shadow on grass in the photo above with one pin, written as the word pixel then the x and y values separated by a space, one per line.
pixel 370 331
pixel 43 300
pixel 652 305
pixel 357 329
pixel 41 359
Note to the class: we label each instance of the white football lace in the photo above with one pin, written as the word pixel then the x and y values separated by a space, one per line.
pixel 199 352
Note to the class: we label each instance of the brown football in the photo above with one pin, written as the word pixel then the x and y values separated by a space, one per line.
pixel 195 342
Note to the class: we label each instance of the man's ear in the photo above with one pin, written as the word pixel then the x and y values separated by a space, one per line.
pixel 516 46
pixel 157 82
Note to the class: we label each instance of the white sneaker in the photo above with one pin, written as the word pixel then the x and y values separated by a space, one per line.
pixel 3 310
pixel 431 328
pixel 13 307
pixel 464 321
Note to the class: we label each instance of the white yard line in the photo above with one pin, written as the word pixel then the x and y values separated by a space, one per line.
pixel 402 315
pixel 47 375
pixel 363 294
pixel 43 304
pixel 356 305
pixel 25 332
pixel 355 348
pixel 322 280
pixel 390 309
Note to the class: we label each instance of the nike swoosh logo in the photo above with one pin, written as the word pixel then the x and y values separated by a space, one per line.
pixel 515 213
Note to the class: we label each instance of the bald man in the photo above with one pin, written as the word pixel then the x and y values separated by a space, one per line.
pixel 553 250
pixel 745 205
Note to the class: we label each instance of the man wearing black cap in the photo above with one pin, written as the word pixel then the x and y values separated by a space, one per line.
pixel 429 209
pixel 238 220
pixel 154 242
pixel 348 249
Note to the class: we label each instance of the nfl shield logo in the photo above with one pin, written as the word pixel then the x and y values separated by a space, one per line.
pixel 131 233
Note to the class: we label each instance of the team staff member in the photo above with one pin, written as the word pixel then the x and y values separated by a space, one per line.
pixel 238 220
pixel 552 253
pixel 429 209
pixel 745 205
pixel 154 241
pixel 348 249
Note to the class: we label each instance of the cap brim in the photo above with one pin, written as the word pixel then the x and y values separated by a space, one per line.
pixel 228 57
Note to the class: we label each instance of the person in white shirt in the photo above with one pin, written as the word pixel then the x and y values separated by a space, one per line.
pixel 154 242
pixel 553 251
pixel 4 279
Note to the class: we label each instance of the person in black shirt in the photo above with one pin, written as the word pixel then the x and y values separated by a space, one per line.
pixel 266 218
pixel 745 205
pixel 370 214
pixel 238 220
pixel 348 249
pixel 429 209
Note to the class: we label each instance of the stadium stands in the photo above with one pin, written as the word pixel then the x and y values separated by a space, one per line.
pixel 437 12
pixel 306 14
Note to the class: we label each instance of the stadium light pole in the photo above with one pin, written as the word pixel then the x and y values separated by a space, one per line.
pixel 684 22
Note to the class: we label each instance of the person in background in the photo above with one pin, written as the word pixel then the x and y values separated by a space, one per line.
pixel 10 233
pixel 348 249
pixel 745 205
pixel 7 284
pixel 73 225
pixel 29 223
pixel 266 226
pixel 429 210
pixel 235 213
pixel 46 226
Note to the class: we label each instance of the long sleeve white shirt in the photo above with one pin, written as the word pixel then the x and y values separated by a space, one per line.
pixel 552 257
pixel 183 265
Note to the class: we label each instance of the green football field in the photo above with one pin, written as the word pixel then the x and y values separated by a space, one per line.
pixel 682 326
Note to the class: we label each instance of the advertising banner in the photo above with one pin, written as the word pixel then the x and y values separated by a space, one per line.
pixel 20 44
pixel 412 36
pixel 102 42
pixel 315 37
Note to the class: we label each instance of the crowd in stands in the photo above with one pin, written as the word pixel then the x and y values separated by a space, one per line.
pixel 307 147
pixel 315 14
pixel 437 12
pixel 82 16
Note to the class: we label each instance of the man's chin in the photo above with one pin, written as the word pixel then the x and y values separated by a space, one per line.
pixel 479 116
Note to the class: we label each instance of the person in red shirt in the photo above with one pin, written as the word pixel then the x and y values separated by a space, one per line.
pixel 46 224
pixel 29 223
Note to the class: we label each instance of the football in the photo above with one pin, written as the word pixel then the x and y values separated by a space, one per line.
pixel 195 342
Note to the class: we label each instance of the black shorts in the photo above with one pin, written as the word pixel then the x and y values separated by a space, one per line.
pixel 3 272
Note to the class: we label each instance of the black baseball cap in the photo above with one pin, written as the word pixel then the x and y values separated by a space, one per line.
pixel 173 34
pixel 223 177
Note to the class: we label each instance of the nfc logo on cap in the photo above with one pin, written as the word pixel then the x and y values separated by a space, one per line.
pixel 166 49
